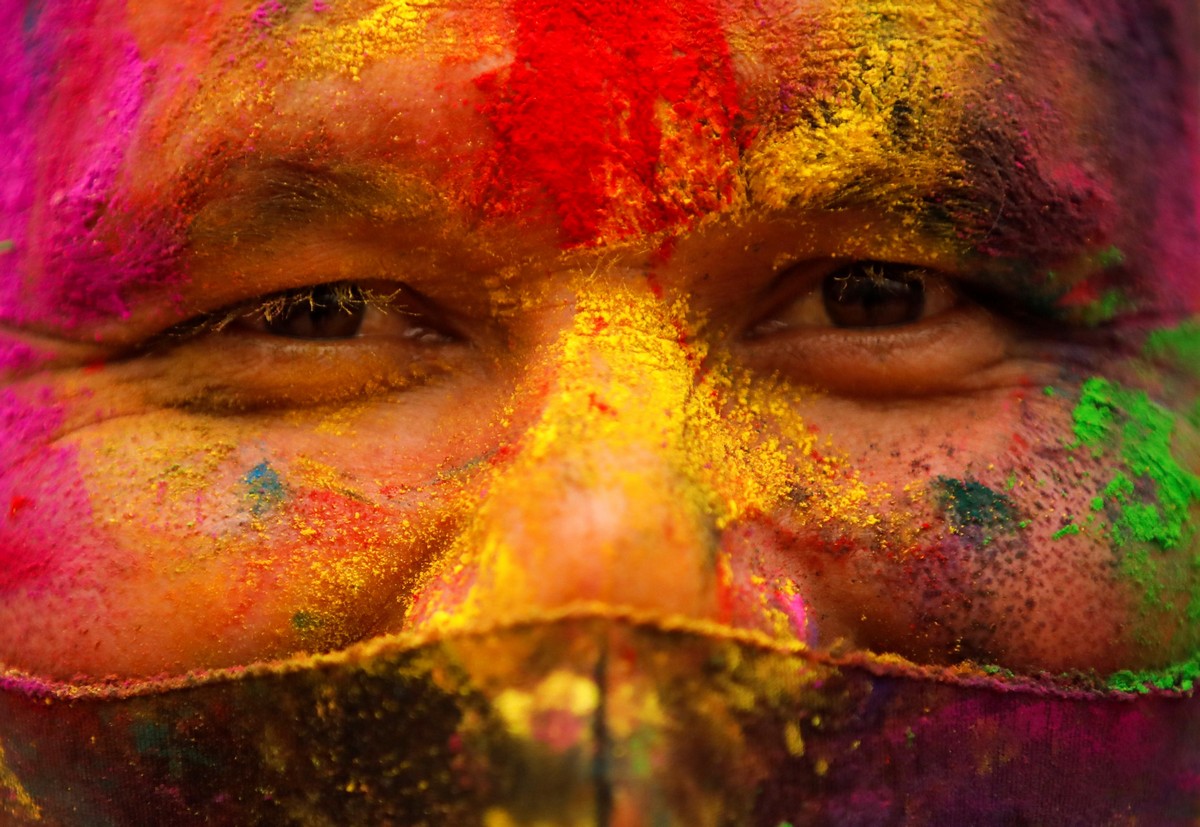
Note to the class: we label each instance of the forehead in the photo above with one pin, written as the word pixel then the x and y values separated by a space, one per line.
pixel 626 120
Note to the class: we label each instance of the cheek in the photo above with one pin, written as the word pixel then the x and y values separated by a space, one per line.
pixel 976 535
pixel 163 541
pixel 45 510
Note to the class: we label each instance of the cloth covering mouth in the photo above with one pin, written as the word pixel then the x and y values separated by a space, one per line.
pixel 589 718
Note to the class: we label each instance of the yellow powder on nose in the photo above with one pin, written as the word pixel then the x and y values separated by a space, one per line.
pixel 629 405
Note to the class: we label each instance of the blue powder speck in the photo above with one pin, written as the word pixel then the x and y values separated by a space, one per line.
pixel 264 488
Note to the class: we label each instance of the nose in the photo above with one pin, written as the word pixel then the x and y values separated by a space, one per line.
pixel 616 494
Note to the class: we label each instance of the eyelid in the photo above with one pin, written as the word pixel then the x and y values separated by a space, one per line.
pixel 382 296
pixel 953 352
pixel 802 282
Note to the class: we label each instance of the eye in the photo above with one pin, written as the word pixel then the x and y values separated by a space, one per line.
pixel 314 345
pixel 872 295
pixel 860 294
pixel 879 329
pixel 327 311
pixel 338 311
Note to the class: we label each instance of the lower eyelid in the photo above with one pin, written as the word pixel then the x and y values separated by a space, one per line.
pixel 960 349
pixel 252 371
pixel 807 311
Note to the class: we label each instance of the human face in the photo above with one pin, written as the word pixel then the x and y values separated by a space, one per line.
pixel 858 327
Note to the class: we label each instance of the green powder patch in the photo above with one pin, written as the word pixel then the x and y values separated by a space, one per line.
pixel 971 503
pixel 1179 677
pixel 1104 309
pixel 305 621
pixel 1178 344
pixel 1066 531
pixel 1153 494
pixel 1110 257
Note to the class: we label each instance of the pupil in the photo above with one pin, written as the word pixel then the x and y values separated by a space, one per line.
pixel 329 311
pixel 874 295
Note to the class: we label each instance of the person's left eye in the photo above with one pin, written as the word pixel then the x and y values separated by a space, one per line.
pixel 861 294
pixel 880 329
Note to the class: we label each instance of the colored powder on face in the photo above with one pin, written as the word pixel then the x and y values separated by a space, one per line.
pixel 1066 531
pixel 971 503
pixel 1179 677
pixel 1102 310
pixel 45 506
pixel 1108 416
pixel 94 246
pixel 267 14
pixel 306 621
pixel 24 95
pixel 264 488
pixel 620 113
pixel 1180 345
pixel 792 601
pixel 886 114
pixel 703 430
pixel 18 356
pixel 395 27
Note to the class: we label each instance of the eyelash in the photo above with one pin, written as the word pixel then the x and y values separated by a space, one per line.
pixel 278 305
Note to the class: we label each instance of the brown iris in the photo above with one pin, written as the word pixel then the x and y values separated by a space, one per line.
pixel 873 294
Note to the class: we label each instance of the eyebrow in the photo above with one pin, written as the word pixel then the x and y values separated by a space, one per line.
pixel 258 200
pixel 1011 207
pixel 1002 203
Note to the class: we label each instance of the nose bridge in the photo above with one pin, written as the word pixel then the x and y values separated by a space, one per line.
pixel 618 490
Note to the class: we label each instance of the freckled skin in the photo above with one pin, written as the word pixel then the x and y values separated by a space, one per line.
pixel 602 428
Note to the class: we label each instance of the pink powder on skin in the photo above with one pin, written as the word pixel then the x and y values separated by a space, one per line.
pixel 265 16
pixel 88 248
pixel 24 88
pixel 45 509
pixel 797 612
pixel 19 357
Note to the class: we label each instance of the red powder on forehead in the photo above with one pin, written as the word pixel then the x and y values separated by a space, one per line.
pixel 621 114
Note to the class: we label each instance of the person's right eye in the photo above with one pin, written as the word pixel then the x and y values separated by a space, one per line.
pixel 306 346
pixel 339 310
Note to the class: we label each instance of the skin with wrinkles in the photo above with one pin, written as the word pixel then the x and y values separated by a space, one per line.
pixel 625 403
pixel 597 371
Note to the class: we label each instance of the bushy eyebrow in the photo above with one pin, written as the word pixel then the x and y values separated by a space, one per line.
pixel 258 200
pixel 998 200
pixel 1007 205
